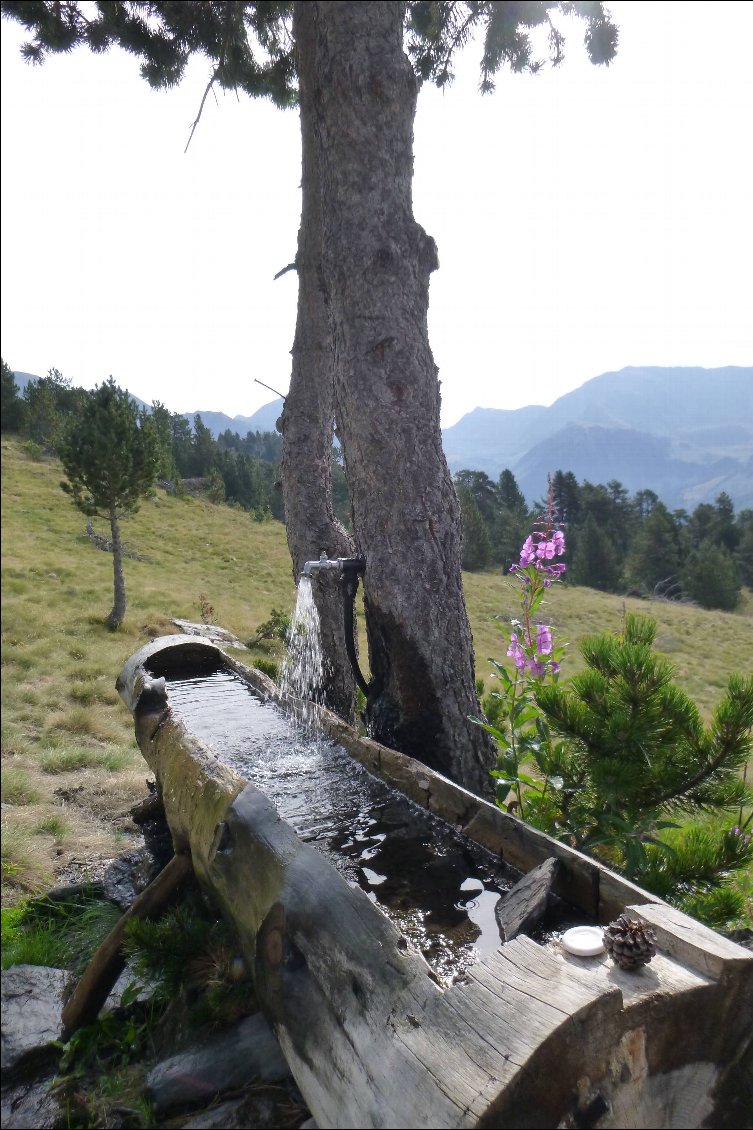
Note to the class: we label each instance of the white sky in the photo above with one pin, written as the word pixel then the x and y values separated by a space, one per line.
pixel 587 219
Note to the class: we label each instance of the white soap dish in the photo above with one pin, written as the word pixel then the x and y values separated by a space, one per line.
pixel 584 941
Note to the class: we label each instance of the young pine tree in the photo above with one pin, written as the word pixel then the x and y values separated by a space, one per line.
pixel 111 455
pixel 656 557
pixel 639 757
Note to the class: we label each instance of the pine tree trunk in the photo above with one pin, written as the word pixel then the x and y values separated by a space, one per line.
pixel 307 421
pixel 377 264
pixel 116 617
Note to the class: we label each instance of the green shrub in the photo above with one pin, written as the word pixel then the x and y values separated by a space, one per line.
pixel 193 951
pixel 269 667
pixel 34 450
pixel 277 627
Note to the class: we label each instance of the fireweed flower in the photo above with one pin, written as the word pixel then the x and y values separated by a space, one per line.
pixel 519 726
pixel 532 654
pixel 527 553
pixel 543 639
pixel 516 653
pixel 531 646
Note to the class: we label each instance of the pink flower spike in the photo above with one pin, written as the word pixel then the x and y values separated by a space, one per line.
pixel 527 553
pixel 543 639
pixel 516 652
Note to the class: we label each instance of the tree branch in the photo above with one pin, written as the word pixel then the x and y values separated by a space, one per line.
pixel 105 967
pixel 210 84
pixel 258 382
pixel 213 79
pixel 290 267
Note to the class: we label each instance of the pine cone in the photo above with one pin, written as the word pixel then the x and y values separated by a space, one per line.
pixel 630 944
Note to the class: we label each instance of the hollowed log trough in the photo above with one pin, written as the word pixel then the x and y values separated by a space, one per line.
pixel 532 1038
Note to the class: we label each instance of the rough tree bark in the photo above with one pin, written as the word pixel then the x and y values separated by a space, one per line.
pixel 117 615
pixel 361 92
pixel 308 416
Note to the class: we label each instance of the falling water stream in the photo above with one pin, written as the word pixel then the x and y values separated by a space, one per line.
pixel 302 672
pixel 438 887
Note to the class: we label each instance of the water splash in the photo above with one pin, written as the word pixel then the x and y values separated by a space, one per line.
pixel 303 669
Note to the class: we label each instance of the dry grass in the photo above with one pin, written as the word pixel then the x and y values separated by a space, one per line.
pixel 18 787
pixel 704 647
pixel 68 752
pixel 71 767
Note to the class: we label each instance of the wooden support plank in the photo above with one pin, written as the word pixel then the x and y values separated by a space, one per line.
pixel 693 943
pixel 108 962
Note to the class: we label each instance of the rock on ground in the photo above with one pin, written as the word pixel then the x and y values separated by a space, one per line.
pixel 32 1000
pixel 31 1104
pixel 247 1052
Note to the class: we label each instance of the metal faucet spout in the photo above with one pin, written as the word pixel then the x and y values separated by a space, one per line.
pixel 345 565
pixel 324 562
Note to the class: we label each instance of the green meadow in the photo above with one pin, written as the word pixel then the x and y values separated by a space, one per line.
pixel 71 768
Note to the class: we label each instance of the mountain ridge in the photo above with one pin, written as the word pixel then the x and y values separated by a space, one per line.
pixel 684 432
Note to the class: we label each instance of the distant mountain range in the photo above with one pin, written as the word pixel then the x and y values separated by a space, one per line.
pixel 685 433
pixel 263 420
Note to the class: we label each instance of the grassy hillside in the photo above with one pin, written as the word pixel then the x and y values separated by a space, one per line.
pixel 705 647
pixel 70 765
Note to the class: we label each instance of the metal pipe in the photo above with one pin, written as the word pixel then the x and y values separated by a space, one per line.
pixel 350 569
pixel 322 564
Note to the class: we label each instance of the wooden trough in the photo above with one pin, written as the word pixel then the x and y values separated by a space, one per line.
pixel 533 1037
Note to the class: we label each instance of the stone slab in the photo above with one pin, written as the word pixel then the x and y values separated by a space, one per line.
pixel 32 1000
pixel 247 1053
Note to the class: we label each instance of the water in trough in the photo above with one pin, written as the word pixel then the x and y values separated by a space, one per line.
pixel 438 887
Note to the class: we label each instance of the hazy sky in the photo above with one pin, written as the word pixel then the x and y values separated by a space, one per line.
pixel 586 218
